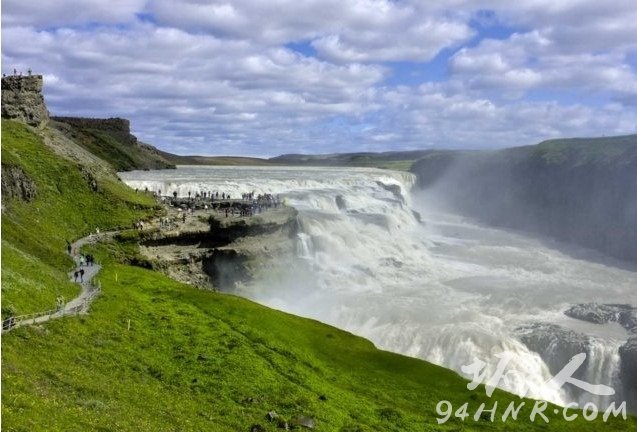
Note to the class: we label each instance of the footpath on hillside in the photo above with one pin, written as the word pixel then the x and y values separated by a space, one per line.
pixel 180 217
pixel 78 305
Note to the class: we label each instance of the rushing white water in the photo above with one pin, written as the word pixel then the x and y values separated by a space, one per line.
pixel 446 290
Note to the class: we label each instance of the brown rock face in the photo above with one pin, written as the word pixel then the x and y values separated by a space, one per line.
pixel 118 128
pixel 22 99
pixel 16 184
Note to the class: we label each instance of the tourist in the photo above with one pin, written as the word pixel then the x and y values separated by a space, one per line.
pixel 81 275
pixel 75 275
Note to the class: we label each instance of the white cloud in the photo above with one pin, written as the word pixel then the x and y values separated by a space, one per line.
pixel 218 77
pixel 436 116
pixel 533 61
pixel 340 30
pixel 179 87
pixel 48 13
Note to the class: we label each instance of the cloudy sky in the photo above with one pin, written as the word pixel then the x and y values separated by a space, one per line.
pixel 254 77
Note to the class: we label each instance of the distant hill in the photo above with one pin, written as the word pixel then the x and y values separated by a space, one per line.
pixel 211 160
pixel 398 160
pixel 581 190
pixel 389 160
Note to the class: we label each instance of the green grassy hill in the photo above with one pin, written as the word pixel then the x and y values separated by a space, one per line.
pixel 157 355
pixel 70 201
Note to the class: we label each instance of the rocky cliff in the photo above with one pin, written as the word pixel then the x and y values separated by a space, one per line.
pixel 211 250
pixel 116 127
pixel 22 100
pixel 582 191
pixel 111 139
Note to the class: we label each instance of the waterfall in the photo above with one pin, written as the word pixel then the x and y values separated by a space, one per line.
pixel 443 289
pixel 602 368
pixel 304 246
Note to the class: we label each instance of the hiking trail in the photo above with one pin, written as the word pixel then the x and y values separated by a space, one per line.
pixel 78 305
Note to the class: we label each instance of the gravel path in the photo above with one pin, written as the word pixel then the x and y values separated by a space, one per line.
pixel 82 302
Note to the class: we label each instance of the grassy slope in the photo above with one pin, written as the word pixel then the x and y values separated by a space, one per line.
pixel 34 234
pixel 192 360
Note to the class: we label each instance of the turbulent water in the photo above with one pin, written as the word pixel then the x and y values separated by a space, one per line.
pixel 440 288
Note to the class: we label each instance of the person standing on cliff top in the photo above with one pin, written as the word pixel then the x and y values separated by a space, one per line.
pixel 29 71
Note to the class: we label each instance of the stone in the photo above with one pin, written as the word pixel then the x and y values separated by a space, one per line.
pixel 556 345
pixel 306 422
pixel 256 428
pixel 90 179
pixel 394 189
pixel 628 371
pixel 624 315
pixel 271 416
pixel 340 202
pixel 22 100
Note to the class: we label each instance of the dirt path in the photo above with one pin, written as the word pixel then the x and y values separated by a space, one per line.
pixel 79 304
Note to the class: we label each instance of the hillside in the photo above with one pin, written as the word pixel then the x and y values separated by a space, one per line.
pixel 154 354
pixel 111 140
pixel 47 200
pixel 582 191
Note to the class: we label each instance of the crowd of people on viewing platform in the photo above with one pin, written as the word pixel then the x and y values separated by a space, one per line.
pixel 223 203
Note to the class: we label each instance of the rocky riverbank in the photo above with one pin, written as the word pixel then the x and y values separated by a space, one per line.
pixel 214 249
